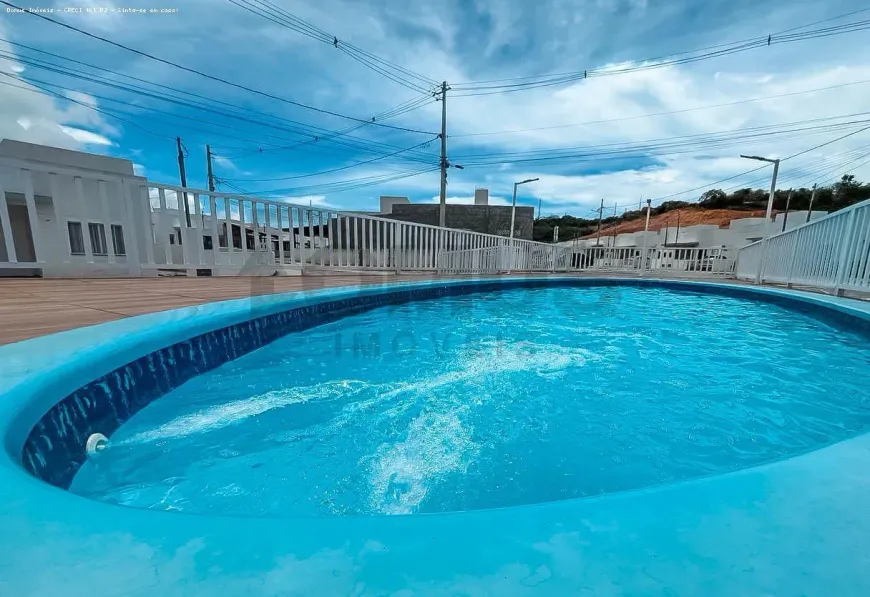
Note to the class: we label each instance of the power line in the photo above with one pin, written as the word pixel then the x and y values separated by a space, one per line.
pixel 313 132
pixel 655 114
pixel 533 82
pixel 403 108
pixel 207 76
pixel 34 88
pixel 709 185
pixel 343 185
pixel 83 104
pixel 347 167
pixel 282 17
pixel 811 171
pixel 668 145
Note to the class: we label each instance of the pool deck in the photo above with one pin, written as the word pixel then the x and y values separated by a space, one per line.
pixel 32 307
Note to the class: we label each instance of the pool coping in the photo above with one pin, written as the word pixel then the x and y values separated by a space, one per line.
pixel 85 531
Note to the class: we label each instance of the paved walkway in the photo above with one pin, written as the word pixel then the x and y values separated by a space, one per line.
pixel 35 307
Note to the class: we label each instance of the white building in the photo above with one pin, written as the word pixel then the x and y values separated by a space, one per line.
pixel 68 213
pixel 73 214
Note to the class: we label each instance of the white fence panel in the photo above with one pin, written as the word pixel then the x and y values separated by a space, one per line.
pixel 830 253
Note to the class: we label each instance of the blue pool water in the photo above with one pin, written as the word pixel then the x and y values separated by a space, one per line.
pixel 492 400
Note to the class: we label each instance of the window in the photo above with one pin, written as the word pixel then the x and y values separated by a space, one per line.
pixel 207 243
pixel 97 233
pixel 178 234
pixel 76 239
pixel 171 238
pixel 118 239
pixel 222 235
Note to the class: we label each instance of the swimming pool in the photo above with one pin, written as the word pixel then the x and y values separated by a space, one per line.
pixel 458 428
pixel 502 399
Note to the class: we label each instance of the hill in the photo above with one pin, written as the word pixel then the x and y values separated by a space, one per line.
pixel 687 216
pixel 714 207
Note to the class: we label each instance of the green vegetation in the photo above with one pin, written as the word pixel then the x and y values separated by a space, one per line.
pixel 843 193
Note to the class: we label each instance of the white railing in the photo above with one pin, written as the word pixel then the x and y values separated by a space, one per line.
pixel 830 253
pixel 319 238
pixel 471 261
pixel 676 261
pixel 681 262
pixel 87 223
pixel 506 256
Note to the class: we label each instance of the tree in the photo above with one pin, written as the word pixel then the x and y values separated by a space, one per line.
pixel 714 199
pixel 848 191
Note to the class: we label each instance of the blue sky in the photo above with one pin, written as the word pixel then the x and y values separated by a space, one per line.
pixel 458 41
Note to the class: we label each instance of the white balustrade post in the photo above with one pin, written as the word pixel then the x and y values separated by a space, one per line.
pixel 32 217
pixel 149 234
pixel 62 235
pixel 243 226
pixel 843 264
pixel 394 242
pixel 107 222
pixel 7 227
pixel 255 226
pixel 267 230
pixel 795 247
pixel 215 236
pixel 291 234
pixel 330 236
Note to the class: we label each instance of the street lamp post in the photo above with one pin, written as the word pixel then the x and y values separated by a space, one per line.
pixel 514 215
pixel 769 210
pixel 514 203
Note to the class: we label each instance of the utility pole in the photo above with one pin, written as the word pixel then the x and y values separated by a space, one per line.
pixel 443 212
pixel 540 203
pixel 785 217
pixel 600 213
pixel 666 229
pixel 210 175
pixel 810 210
pixel 615 208
pixel 643 260
pixel 677 239
pixel 183 180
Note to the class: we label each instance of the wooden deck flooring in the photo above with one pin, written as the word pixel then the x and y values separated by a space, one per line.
pixel 35 307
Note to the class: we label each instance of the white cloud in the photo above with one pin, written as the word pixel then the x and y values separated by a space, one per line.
pixel 304 200
pixel 85 137
pixel 29 115
pixel 224 162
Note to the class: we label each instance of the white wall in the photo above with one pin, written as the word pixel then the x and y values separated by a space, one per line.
pixel 60 196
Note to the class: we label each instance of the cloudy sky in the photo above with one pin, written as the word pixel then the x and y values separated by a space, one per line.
pixel 621 134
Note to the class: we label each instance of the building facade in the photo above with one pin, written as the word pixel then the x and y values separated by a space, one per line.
pixel 485 219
